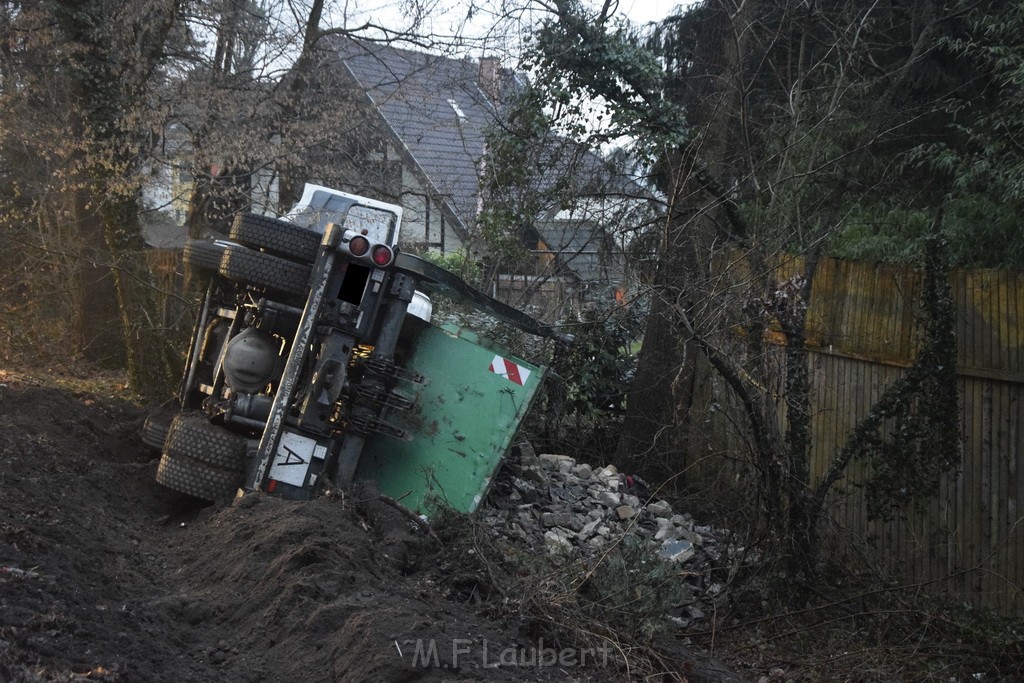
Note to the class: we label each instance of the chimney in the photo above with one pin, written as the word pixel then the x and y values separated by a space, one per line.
pixel 488 81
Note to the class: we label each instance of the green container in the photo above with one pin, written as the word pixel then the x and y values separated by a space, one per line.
pixel 465 417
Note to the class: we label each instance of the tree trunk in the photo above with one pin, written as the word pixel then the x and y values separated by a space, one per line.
pixel 658 410
pixel 802 517
pixel 149 361
pixel 96 336
pixel 115 304
pixel 656 427
pixel 292 176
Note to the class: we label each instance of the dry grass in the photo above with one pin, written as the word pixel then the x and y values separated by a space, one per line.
pixel 75 379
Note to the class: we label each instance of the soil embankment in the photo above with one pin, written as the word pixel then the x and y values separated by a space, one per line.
pixel 107 576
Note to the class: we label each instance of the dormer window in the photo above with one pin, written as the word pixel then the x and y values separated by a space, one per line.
pixel 458 110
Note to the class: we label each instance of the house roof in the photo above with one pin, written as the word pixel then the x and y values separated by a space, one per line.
pixel 581 248
pixel 160 231
pixel 436 111
pixel 438 114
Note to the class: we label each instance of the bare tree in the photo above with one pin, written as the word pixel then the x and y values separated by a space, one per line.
pixel 81 71
pixel 764 125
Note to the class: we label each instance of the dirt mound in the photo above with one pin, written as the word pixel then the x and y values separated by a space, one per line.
pixel 317 591
pixel 78 513
pixel 107 576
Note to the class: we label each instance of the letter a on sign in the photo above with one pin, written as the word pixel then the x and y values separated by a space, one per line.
pixel 509 370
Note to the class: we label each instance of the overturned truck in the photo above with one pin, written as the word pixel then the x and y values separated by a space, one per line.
pixel 314 363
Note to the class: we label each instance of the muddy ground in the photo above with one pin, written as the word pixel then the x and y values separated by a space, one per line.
pixel 110 577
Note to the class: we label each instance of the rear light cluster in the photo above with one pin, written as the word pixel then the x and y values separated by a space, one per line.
pixel 382 255
pixel 362 249
pixel 358 245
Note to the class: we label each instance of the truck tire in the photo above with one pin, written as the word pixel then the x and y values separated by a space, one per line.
pixel 275 236
pixel 197 479
pixel 246 266
pixel 154 429
pixel 203 255
pixel 191 435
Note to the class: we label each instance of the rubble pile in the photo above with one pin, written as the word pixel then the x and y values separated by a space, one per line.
pixel 571 508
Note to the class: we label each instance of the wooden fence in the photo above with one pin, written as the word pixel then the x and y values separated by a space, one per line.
pixel 969 542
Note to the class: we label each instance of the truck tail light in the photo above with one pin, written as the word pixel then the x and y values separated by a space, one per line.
pixel 382 255
pixel 365 250
pixel 359 245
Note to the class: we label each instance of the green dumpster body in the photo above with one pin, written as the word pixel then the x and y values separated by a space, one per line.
pixel 465 417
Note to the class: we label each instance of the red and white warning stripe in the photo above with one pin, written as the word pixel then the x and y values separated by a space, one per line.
pixel 509 370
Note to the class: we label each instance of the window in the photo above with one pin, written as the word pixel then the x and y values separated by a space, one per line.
pixel 458 110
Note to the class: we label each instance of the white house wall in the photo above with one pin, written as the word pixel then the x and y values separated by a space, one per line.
pixel 157 189
pixel 265 192
pixel 417 231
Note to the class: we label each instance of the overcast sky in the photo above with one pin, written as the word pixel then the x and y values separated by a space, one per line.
pixel 643 11
pixel 446 18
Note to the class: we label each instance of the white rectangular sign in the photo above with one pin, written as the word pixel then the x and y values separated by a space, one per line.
pixel 294 454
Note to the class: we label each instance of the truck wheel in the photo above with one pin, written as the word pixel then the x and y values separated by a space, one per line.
pixel 154 429
pixel 247 266
pixel 243 265
pixel 191 435
pixel 203 255
pixel 276 237
pixel 197 479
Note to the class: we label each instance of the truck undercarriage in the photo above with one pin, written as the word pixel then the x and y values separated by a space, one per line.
pixel 314 360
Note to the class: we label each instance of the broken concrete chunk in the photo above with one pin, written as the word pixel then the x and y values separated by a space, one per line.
pixel 535 475
pixel 608 472
pixel 583 471
pixel 596 513
pixel 562 464
pixel 526 453
pixel 659 508
pixel 588 529
pixel 550 519
pixel 666 530
pixel 677 551
pixel 556 457
pixel 680 521
pixel 557 493
pixel 691 536
pixel 631 501
pixel 556 543
pixel 625 512
pixel 609 499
